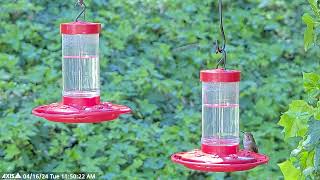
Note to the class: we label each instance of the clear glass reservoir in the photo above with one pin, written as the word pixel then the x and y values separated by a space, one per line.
pixel 80 59
pixel 220 108
pixel 220 113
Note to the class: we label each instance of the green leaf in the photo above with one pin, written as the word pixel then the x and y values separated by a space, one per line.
pixel 94 144
pixel 317 112
pixel 309 35
pixel 311 82
pixel 289 171
pixel 73 154
pixel 307 19
pixel 295 120
pixel 90 165
pixel 312 87
pixel 11 151
pixel 314 7
pixel 306 159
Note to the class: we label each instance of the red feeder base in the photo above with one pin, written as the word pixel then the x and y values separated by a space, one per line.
pixel 80 110
pixel 198 160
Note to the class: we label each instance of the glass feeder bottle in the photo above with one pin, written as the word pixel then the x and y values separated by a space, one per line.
pixel 220 111
pixel 80 62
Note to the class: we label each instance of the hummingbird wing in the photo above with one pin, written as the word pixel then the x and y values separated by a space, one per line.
pixel 255 149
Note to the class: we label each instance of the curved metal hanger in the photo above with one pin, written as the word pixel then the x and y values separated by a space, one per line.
pixel 83 5
pixel 221 49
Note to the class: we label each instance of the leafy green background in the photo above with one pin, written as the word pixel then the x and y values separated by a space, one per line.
pixel 144 67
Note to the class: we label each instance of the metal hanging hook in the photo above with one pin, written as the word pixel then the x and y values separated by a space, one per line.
pixel 83 5
pixel 221 49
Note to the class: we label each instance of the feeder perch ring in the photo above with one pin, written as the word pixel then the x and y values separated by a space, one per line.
pixel 198 160
pixel 59 112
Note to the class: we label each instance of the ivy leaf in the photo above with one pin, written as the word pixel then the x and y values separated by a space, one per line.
pixel 309 32
pixel 94 144
pixel 296 118
pixel 73 154
pixel 289 171
pixel 153 163
pixel 90 165
pixel 11 151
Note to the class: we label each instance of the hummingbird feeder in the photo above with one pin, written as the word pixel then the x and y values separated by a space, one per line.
pixel 220 150
pixel 81 82
pixel 220 127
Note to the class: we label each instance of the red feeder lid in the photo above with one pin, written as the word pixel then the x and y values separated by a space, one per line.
pixel 198 160
pixel 80 27
pixel 220 75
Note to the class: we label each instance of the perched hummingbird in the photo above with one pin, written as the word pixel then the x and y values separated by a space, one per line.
pixel 249 143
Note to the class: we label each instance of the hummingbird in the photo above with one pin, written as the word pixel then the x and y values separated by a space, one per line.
pixel 249 143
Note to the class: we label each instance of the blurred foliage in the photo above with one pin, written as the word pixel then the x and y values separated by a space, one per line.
pixel 144 67
pixel 302 120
